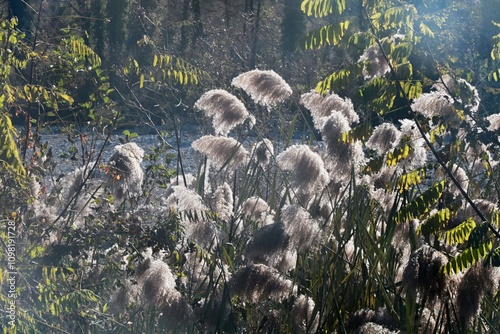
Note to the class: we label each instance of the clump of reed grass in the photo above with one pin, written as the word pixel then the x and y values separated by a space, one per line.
pixel 225 109
pixel 474 285
pixel 322 106
pixel 266 88
pixel 460 90
pixel 494 120
pixel 423 274
pixel 262 152
pixel 222 151
pixel 436 104
pixel 306 169
pixel 411 136
pixel 360 318
pixel 341 157
pixel 258 282
pixel 257 210
pixel 125 174
pixel 269 245
pixel 375 64
pixel 302 315
pixel 155 287
pixel 384 138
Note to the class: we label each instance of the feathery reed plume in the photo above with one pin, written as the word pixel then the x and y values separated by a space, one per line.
pixel 78 187
pixel 411 136
pixel 477 281
pixel 322 106
pixel 197 272
pixel 374 328
pixel 422 273
pixel 302 314
pixel 266 88
pixel 225 109
pixel 125 173
pixel 384 138
pixel 257 210
pixel 206 234
pixel 222 151
pixel 222 202
pixel 463 92
pixel 307 170
pixel 302 230
pixel 268 246
pixel 436 104
pixel 494 122
pixel 157 286
pixel 258 282
pixel 342 157
pixel 360 317
pixel 262 152
pixel 374 62
pixel 184 200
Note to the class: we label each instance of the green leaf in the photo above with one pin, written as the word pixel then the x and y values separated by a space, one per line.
pixel 459 234
pixel 321 8
pixel 467 258
pixel 326 35
pixel 420 205
pixel 9 154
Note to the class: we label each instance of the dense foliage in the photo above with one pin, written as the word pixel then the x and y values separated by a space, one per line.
pixel 379 216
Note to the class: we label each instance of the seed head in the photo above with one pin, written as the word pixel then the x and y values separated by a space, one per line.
pixel 307 169
pixel 322 106
pixel 266 88
pixel 222 151
pixel 225 109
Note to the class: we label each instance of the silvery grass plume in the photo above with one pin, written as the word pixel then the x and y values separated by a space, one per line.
pixel 302 314
pixel 494 122
pixel 378 184
pixel 79 187
pixel 322 106
pixel 436 104
pixel 222 202
pixel 374 63
pixel 154 286
pixel 423 274
pixel 184 200
pixel 342 157
pixel 384 138
pixel 306 169
pixel 197 272
pixel 257 282
pixel 402 245
pixel 158 289
pixel 379 319
pixel 257 210
pixel 276 245
pixel 476 283
pixel 411 136
pixel 463 92
pixel 125 173
pixel 225 109
pixel 302 230
pixel 266 88
pixel 222 151
pixel 262 152
pixel 270 246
